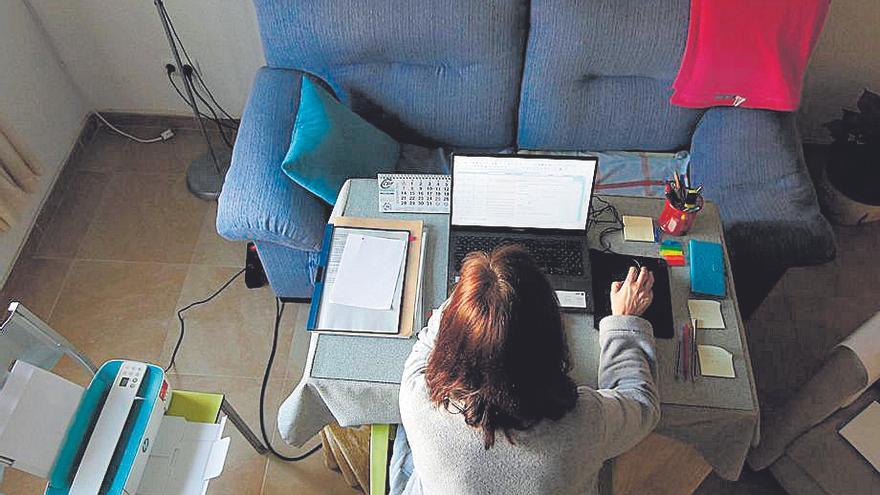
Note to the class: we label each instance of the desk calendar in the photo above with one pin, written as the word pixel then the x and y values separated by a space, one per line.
pixel 412 193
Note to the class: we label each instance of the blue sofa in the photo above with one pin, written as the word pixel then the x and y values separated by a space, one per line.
pixel 506 75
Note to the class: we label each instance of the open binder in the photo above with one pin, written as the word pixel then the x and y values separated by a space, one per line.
pixel 325 315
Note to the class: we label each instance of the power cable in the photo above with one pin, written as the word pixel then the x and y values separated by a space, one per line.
pixel 191 305
pixel 211 95
pixel 192 64
pixel 215 118
pixel 188 70
pixel 596 217
pixel 279 312
pixel 170 70
pixel 217 122
pixel 164 136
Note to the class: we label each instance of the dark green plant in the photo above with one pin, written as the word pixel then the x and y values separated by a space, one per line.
pixel 862 127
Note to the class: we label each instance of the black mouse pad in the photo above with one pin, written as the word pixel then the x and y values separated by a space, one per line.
pixel 608 267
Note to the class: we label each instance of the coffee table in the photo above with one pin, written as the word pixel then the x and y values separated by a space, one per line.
pixel 355 380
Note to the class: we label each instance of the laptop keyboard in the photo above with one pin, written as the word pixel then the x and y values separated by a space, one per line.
pixel 553 256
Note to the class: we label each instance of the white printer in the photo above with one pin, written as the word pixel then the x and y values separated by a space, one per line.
pixel 99 440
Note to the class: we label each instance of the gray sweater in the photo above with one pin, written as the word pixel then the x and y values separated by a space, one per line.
pixel 554 457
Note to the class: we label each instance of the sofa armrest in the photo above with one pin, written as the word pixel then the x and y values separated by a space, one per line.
pixel 823 462
pixel 751 163
pixel 851 367
pixel 258 201
pixel 840 377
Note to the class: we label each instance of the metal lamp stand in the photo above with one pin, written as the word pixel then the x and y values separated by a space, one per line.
pixel 205 175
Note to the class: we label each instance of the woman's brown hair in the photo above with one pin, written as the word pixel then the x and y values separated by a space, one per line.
pixel 500 358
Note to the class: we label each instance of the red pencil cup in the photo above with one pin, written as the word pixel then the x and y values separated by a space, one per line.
pixel 677 222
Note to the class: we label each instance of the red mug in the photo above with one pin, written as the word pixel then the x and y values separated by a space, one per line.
pixel 677 222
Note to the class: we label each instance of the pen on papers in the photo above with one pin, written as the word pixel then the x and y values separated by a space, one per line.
pixel 693 327
pixel 691 352
pixel 686 356
pixel 677 357
pixel 684 352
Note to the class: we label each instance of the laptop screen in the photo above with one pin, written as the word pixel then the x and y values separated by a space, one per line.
pixel 522 191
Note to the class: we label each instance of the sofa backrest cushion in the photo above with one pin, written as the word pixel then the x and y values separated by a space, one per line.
pixel 430 72
pixel 598 75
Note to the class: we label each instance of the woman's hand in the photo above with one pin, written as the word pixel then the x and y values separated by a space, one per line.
pixel 633 295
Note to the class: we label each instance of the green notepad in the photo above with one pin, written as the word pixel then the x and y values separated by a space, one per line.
pixel 195 407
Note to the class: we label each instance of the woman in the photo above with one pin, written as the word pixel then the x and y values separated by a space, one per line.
pixel 486 401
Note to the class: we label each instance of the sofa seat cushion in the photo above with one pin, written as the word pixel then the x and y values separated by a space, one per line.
pixel 598 76
pixel 439 72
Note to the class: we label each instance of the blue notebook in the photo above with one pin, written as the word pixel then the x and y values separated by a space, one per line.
pixel 707 268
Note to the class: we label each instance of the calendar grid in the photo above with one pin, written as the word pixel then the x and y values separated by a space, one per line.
pixel 414 193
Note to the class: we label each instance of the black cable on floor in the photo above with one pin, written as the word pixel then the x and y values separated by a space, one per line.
pixel 279 312
pixel 188 306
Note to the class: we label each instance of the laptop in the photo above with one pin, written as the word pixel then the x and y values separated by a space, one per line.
pixel 539 202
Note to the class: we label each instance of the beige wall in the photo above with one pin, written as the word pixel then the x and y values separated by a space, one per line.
pixel 115 50
pixel 846 60
pixel 39 105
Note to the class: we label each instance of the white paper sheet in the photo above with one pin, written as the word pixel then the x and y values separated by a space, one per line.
pixel 863 432
pixel 185 456
pixel 36 408
pixel 715 361
pixel 368 272
pixel 707 313
pixel 572 298
pixel 341 317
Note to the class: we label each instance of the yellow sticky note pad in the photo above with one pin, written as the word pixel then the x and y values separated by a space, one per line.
pixel 639 229
pixel 715 361
pixel 707 313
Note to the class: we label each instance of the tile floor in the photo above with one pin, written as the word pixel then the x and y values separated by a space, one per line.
pixel 121 245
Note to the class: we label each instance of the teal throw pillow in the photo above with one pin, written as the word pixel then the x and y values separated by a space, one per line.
pixel 331 144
